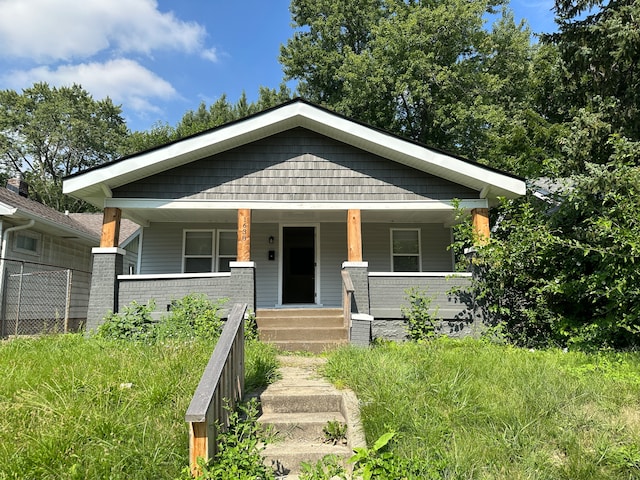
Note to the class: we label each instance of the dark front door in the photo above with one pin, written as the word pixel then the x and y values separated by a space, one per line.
pixel 298 265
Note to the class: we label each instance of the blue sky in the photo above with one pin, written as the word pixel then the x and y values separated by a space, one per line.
pixel 159 59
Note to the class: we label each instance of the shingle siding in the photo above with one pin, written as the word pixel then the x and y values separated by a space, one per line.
pixel 298 165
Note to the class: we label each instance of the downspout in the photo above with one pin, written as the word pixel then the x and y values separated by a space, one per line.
pixel 3 255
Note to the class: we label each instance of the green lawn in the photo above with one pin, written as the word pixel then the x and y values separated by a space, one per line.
pixel 76 408
pixel 474 410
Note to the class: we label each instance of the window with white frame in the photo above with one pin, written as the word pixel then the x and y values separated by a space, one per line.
pixel 198 253
pixel 405 250
pixel 227 248
pixel 27 242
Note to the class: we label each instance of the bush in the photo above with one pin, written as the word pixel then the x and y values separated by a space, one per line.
pixel 193 316
pixel 133 323
pixel 565 272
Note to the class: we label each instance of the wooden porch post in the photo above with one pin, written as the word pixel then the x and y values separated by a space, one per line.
pixel 110 227
pixel 480 221
pixel 244 235
pixel 354 236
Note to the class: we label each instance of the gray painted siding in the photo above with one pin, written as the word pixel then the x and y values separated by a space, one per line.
pixel 162 245
pixel 266 270
pixel 59 252
pixel 162 253
pixel 297 165
pixel 435 239
pixel 333 243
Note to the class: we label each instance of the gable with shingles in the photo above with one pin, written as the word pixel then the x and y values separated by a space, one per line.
pixel 295 165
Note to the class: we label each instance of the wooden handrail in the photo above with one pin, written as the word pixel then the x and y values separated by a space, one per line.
pixel 347 297
pixel 219 390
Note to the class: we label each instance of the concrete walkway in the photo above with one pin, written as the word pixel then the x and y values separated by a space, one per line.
pixel 297 407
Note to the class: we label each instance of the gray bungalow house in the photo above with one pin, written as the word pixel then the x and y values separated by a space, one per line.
pixel 292 208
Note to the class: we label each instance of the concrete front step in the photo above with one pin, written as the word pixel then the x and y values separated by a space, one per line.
pixel 287 457
pixel 297 312
pixel 299 401
pixel 303 334
pixel 299 426
pixel 316 346
pixel 300 321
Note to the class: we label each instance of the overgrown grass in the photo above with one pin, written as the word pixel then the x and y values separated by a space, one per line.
pixel 481 411
pixel 77 408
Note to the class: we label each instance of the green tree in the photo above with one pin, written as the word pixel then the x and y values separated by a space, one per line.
pixel 431 71
pixel 598 90
pixel 47 133
pixel 565 272
pixel 203 118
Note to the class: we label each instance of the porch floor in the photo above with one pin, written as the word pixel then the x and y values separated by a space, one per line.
pixel 303 329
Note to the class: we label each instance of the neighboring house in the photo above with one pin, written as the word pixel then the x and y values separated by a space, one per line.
pixel 45 266
pixel 271 209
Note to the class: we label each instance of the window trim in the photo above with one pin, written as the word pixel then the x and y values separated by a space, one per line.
pixel 218 255
pixel 393 254
pixel 29 234
pixel 184 247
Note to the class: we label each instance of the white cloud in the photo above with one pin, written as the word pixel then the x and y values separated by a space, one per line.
pixel 123 80
pixel 46 30
pixel 210 54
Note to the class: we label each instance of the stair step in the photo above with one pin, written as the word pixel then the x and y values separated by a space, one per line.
pixel 299 426
pixel 297 312
pixel 307 334
pixel 288 456
pixel 313 346
pixel 301 321
pixel 300 400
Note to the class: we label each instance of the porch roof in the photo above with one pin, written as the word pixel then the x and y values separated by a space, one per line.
pixel 95 185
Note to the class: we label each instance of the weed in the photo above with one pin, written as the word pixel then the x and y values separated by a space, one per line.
pixel 421 323
pixel 327 468
pixel 335 432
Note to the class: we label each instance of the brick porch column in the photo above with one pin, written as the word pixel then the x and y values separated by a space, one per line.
pixel 243 284
pixel 103 296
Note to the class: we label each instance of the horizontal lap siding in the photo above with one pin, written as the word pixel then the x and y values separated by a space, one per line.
pixel 266 270
pixel 435 239
pixel 162 245
pixel 333 242
pixel 387 294
pixel 297 165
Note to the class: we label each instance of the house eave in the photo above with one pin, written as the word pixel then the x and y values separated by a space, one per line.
pixel 95 184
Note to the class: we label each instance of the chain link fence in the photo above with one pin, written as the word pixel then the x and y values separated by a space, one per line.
pixel 36 299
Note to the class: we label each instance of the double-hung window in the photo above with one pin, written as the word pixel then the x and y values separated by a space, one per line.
pixel 405 250
pixel 198 251
pixel 208 250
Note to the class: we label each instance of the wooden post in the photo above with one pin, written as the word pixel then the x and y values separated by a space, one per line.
pixel 480 221
pixel 110 227
pixel 354 236
pixel 198 446
pixel 244 235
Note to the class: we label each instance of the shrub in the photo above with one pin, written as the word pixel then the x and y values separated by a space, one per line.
pixel 421 324
pixel 193 316
pixel 133 323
